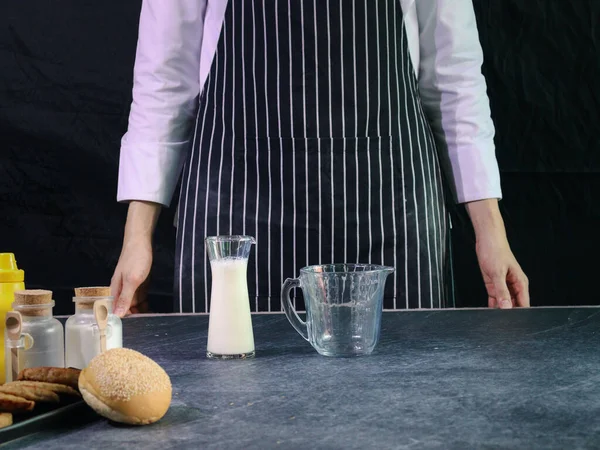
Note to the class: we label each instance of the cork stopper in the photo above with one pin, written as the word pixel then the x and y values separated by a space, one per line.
pixel 33 297
pixel 27 300
pixel 86 296
pixel 97 291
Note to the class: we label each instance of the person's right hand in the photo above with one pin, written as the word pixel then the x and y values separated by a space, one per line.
pixel 130 276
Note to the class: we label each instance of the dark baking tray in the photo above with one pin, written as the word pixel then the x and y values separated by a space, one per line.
pixel 46 416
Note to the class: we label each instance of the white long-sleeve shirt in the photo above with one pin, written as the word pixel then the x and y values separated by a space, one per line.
pixel 176 45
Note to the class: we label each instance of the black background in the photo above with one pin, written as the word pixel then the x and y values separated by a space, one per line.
pixel 65 90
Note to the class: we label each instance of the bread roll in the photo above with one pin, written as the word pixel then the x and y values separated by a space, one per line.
pixel 126 386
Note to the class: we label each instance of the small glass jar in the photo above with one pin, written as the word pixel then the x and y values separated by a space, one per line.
pixel 83 336
pixel 41 342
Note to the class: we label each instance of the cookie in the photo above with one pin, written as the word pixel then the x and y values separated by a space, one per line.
pixel 13 404
pixel 58 375
pixel 33 393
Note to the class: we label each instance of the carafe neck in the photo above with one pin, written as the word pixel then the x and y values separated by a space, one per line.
pixel 229 247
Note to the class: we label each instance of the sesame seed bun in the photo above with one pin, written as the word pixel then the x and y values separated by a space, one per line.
pixel 126 386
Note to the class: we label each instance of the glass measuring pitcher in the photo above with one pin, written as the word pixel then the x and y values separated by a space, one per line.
pixel 343 302
pixel 230 334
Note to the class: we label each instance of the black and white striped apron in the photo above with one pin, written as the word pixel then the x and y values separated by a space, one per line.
pixel 311 137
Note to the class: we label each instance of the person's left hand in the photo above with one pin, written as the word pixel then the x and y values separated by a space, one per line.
pixel 139 302
pixel 506 284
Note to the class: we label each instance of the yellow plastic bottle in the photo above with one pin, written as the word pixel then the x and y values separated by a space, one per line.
pixel 11 280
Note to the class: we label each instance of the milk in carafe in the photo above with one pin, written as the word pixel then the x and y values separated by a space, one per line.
pixel 230 332
pixel 230 323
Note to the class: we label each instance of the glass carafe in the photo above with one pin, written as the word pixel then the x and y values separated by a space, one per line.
pixel 230 334
pixel 40 342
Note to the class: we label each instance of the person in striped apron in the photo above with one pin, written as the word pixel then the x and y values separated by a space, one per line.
pixel 325 129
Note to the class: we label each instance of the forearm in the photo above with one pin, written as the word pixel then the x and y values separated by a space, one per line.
pixel 486 218
pixel 141 221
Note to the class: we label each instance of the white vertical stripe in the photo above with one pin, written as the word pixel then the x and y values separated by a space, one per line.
pixel 442 215
pixel 435 208
pixel 441 226
pixel 178 231
pixel 422 149
pixel 331 135
pixel 233 44
pixel 243 58
pixel 392 149
pixel 193 259
pixel 207 195
pixel 269 154
pixel 403 48
pixel 379 138
pixel 221 153
pixel 439 200
pixel 424 126
pixel 293 140
pixel 447 275
pixel 447 240
pixel 437 220
pixel 182 225
pixel 305 128
pixel 429 147
pixel 256 152
pixel 356 132
pixel 343 113
pixel 369 186
pixel 404 200
pixel 318 121
pixel 280 133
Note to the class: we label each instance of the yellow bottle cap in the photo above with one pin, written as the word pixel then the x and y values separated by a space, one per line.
pixel 9 273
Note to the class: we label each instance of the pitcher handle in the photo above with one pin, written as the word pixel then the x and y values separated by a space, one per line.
pixel 290 312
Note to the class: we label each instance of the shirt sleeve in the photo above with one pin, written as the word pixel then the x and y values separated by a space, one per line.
pixel 454 96
pixel 165 99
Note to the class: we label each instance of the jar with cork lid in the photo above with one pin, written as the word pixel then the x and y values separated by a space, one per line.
pixel 33 337
pixel 86 331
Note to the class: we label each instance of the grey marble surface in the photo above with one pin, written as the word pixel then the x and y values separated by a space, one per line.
pixel 453 379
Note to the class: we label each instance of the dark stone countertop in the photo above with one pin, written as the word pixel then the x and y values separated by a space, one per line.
pixel 450 379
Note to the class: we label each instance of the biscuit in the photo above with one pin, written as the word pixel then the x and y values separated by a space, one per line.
pixel 33 393
pixel 58 375
pixel 12 403
pixel 54 387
